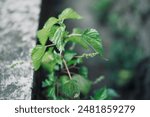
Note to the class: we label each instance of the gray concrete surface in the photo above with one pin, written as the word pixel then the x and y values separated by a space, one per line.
pixel 18 25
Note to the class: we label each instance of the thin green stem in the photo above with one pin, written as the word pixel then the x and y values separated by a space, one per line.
pixel 69 74
pixel 50 45
pixel 72 46
pixel 71 35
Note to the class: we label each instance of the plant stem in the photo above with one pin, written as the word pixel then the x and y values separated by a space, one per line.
pixel 71 35
pixel 72 46
pixel 67 72
pixel 67 69
pixel 50 45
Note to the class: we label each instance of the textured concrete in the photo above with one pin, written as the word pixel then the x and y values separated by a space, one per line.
pixel 18 25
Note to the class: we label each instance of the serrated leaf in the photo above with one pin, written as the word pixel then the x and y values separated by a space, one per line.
pixel 101 94
pixel 69 14
pixel 51 61
pixel 50 22
pixel 64 79
pixel 83 83
pixel 89 39
pixel 36 55
pixel 43 36
pixel 69 55
pixel 44 33
pixel 58 38
pixel 52 31
pixel 79 40
pixel 47 57
pixel 92 38
pixel 71 89
pixel 51 93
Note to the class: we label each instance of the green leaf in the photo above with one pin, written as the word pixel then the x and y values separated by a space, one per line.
pixel 69 55
pixel 50 81
pixel 89 39
pixel 50 22
pixel 49 67
pixel 36 55
pixel 71 89
pixel 112 93
pixel 58 59
pixel 52 31
pixel 64 79
pixel 48 61
pixel 83 71
pixel 47 57
pixel 79 40
pixel 69 14
pixel 43 36
pixel 51 60
pixel 84 84
pixel 44 33
pixel 74 62
pixel 47 83
pixel 51 93
pixel 58 38
pixel 51 77
pixel 101 94
pixel 92 38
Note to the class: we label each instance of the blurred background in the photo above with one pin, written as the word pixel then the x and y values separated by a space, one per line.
pixel 124 26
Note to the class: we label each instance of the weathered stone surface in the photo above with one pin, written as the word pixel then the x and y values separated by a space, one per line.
pixel 18 25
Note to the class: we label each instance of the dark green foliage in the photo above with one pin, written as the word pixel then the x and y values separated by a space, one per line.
pixel 37 55
pixel 70 89
pixel 104 94
pixel 84 84
pixel 62 82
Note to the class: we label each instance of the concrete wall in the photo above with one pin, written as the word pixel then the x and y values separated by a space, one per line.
pixel 18 25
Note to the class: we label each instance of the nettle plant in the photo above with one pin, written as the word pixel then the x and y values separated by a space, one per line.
pixel 67 78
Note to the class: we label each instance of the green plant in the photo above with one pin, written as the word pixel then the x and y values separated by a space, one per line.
pixel 67 77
